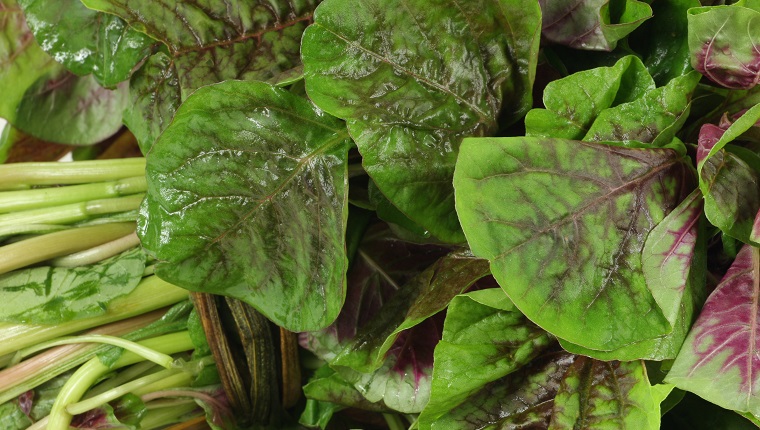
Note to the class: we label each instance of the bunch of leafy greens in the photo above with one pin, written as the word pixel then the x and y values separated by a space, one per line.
pixel 477 214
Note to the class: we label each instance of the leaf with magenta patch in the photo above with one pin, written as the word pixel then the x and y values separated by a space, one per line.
pixel 86 41
pixel 485 338
pixel 412 78
pixel 53 295
pixel 723 44
pixel 591 24
pixel 247 197
pixel 208 42
pixel 720 360
pixel 563 224
pixel 573 102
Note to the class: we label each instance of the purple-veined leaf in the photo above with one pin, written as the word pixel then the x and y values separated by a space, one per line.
pixel 730 186
pixel 724 44
pixel 588 24
pixel 485 338
pixel 247 197
pixel 563 224
pixel 207 42
pixel 412 78
pixel 720 360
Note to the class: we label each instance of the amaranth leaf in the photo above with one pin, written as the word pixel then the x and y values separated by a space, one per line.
pixel 247 198
pixel 563 224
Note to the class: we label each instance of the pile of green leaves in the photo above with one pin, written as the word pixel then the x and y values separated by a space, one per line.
pixel 480 214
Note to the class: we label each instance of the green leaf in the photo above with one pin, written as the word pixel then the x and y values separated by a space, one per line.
pixel 485 338
pixel 53 295
pixel 719 359
pixel 599 395
pixel 86 41
pixel 573 102
pixel 522 399
pixel 247 197
pixel 22 61
pixel 154 97
pixel 327 386
pixel 724 46
pixel 411 88
pixel 591 24
pixel 207 42
pixel 694 413
pixel 563 224
pixel 654 118
pixel 663 42
pixel 66 108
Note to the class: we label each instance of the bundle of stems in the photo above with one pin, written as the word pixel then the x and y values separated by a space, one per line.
pixel 140 355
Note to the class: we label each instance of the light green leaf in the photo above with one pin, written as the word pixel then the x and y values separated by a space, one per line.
pixel 563 224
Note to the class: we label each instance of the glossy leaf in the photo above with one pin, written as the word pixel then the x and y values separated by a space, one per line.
pixel 522 399
pixel 755 234
pixel 247 198
pixel 411 88
pixel 54 295
pixel 596 395
pixel 563 224
pixel 654 118
pixel 328 386
pixel 714 138
pixel 665 53
pixel 86 41
pixel 154 97
pixel 573 102
pixel 485 338
pixel 207 42
pixel 719 360
pixel 590 24
pixel 65 108
pixel 724 45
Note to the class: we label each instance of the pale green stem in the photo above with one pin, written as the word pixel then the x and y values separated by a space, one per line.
pixel 70 213
pixel 73 390
pixel 161 417
pixel 38 249
pixel 148 354
pixel 124 376
pixel 20 175
pixel 11 201
pixel 183 379
pixel 98 253
pixel 150 294
pixel 394 422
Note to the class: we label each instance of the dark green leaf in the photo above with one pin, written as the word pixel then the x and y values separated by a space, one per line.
pixel 86 41
pixel 563 224
pixel 208 42
pixel 53 295
pixel 573 103
pixel 591 24
pixel 694 413
pixel 247 198
pixel 485 338
pixel 411 88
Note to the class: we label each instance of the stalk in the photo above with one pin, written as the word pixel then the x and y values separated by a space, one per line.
pixel 98 253
pixel 11 201
pixel 17 176
pixel 150 294
pixel 45 366
pixel 67 214
pixel 38 249
pixel 90 372
pixel 160 417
